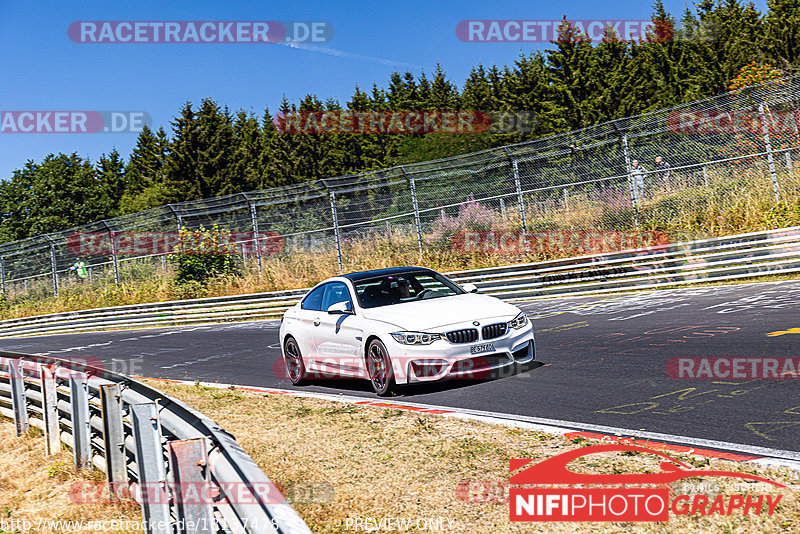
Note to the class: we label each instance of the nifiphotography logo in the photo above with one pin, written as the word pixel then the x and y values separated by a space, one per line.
pixel 616 497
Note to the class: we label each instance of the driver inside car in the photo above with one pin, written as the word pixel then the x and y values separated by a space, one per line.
pixel 399 288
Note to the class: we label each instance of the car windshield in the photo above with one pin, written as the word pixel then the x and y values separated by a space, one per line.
pixel 403 287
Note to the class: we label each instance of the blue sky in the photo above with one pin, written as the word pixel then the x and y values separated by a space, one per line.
pixel 42 69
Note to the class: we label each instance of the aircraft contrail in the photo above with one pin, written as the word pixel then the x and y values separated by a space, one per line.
pixel 341 53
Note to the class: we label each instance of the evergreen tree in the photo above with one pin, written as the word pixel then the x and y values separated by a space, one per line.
pixel 111 173
pixel 780 42
pixel 568 64
pixel 182 167
pixel 443 94
pixel 528 89
pixel 145 165
pixel 215 150
pixel 282 147
pixel 247 172
pixel 477 93
pixel 268 133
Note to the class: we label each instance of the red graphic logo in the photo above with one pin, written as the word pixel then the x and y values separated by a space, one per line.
pixel 619 503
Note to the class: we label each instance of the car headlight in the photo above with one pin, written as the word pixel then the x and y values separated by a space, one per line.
pixel 519 321
pixel 415 338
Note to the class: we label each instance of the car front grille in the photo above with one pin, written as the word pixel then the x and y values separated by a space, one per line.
pixel 468 335
pixel 492 331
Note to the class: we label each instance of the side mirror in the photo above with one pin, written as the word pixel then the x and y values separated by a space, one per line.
pixel 469 288
pixel 340 308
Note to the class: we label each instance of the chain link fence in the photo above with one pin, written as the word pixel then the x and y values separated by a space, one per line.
pixel 719 151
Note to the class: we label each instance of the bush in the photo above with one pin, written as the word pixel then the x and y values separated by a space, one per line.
pixel 472 216
pixel 204 254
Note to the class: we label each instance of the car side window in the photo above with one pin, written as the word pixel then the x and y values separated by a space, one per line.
pixel 313 300
pixel 336 292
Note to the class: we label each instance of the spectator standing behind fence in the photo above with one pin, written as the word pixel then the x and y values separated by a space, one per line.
pixel 663 172
pixel 637 181
pixel 80 270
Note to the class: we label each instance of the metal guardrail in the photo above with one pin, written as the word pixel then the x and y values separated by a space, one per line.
pixel 172 459
pixel 726 258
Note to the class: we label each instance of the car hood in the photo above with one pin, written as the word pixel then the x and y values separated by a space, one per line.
pixel 433 314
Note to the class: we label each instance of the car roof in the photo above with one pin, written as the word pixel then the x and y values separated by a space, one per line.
pixel 363 275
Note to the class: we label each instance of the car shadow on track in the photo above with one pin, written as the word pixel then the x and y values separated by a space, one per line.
pixel 411 390
pixel 516 371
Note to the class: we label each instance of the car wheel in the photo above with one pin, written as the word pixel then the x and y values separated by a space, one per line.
pixel 379 366
pixel 295 367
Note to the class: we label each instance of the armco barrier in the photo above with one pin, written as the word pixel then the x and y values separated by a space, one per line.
pixel 126 429
pixel 726 258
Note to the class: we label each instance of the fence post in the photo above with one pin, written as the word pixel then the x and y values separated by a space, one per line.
pixel 417 223
pixel 114 439
pixel 18 401
pixel 768 146
pixel 188 462
pixel 705 175
pixel 53 264
pixel 152 473
pixel 502 208
pixel 518 187
pixel 631 185
pixel 177 216
pixel 3 273
pixel 566 199
pixel 113 251
pixel 52 429
pixel 256 236
pixel 336 229
pixel 81 431
pixel 788 155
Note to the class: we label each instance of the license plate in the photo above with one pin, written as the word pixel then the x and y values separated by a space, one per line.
pixel 477 349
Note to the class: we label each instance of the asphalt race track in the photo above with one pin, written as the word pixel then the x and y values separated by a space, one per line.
pixel 602 360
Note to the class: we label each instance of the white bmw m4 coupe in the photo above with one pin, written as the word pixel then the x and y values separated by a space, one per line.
pixel 400 326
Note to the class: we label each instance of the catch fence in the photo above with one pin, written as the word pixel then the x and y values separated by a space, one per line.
pixel 719 150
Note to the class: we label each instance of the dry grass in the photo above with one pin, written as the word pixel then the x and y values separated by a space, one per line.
pixel 381 463
pixel 35 487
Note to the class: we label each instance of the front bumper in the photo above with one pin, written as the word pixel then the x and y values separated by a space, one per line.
pixel 442 359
